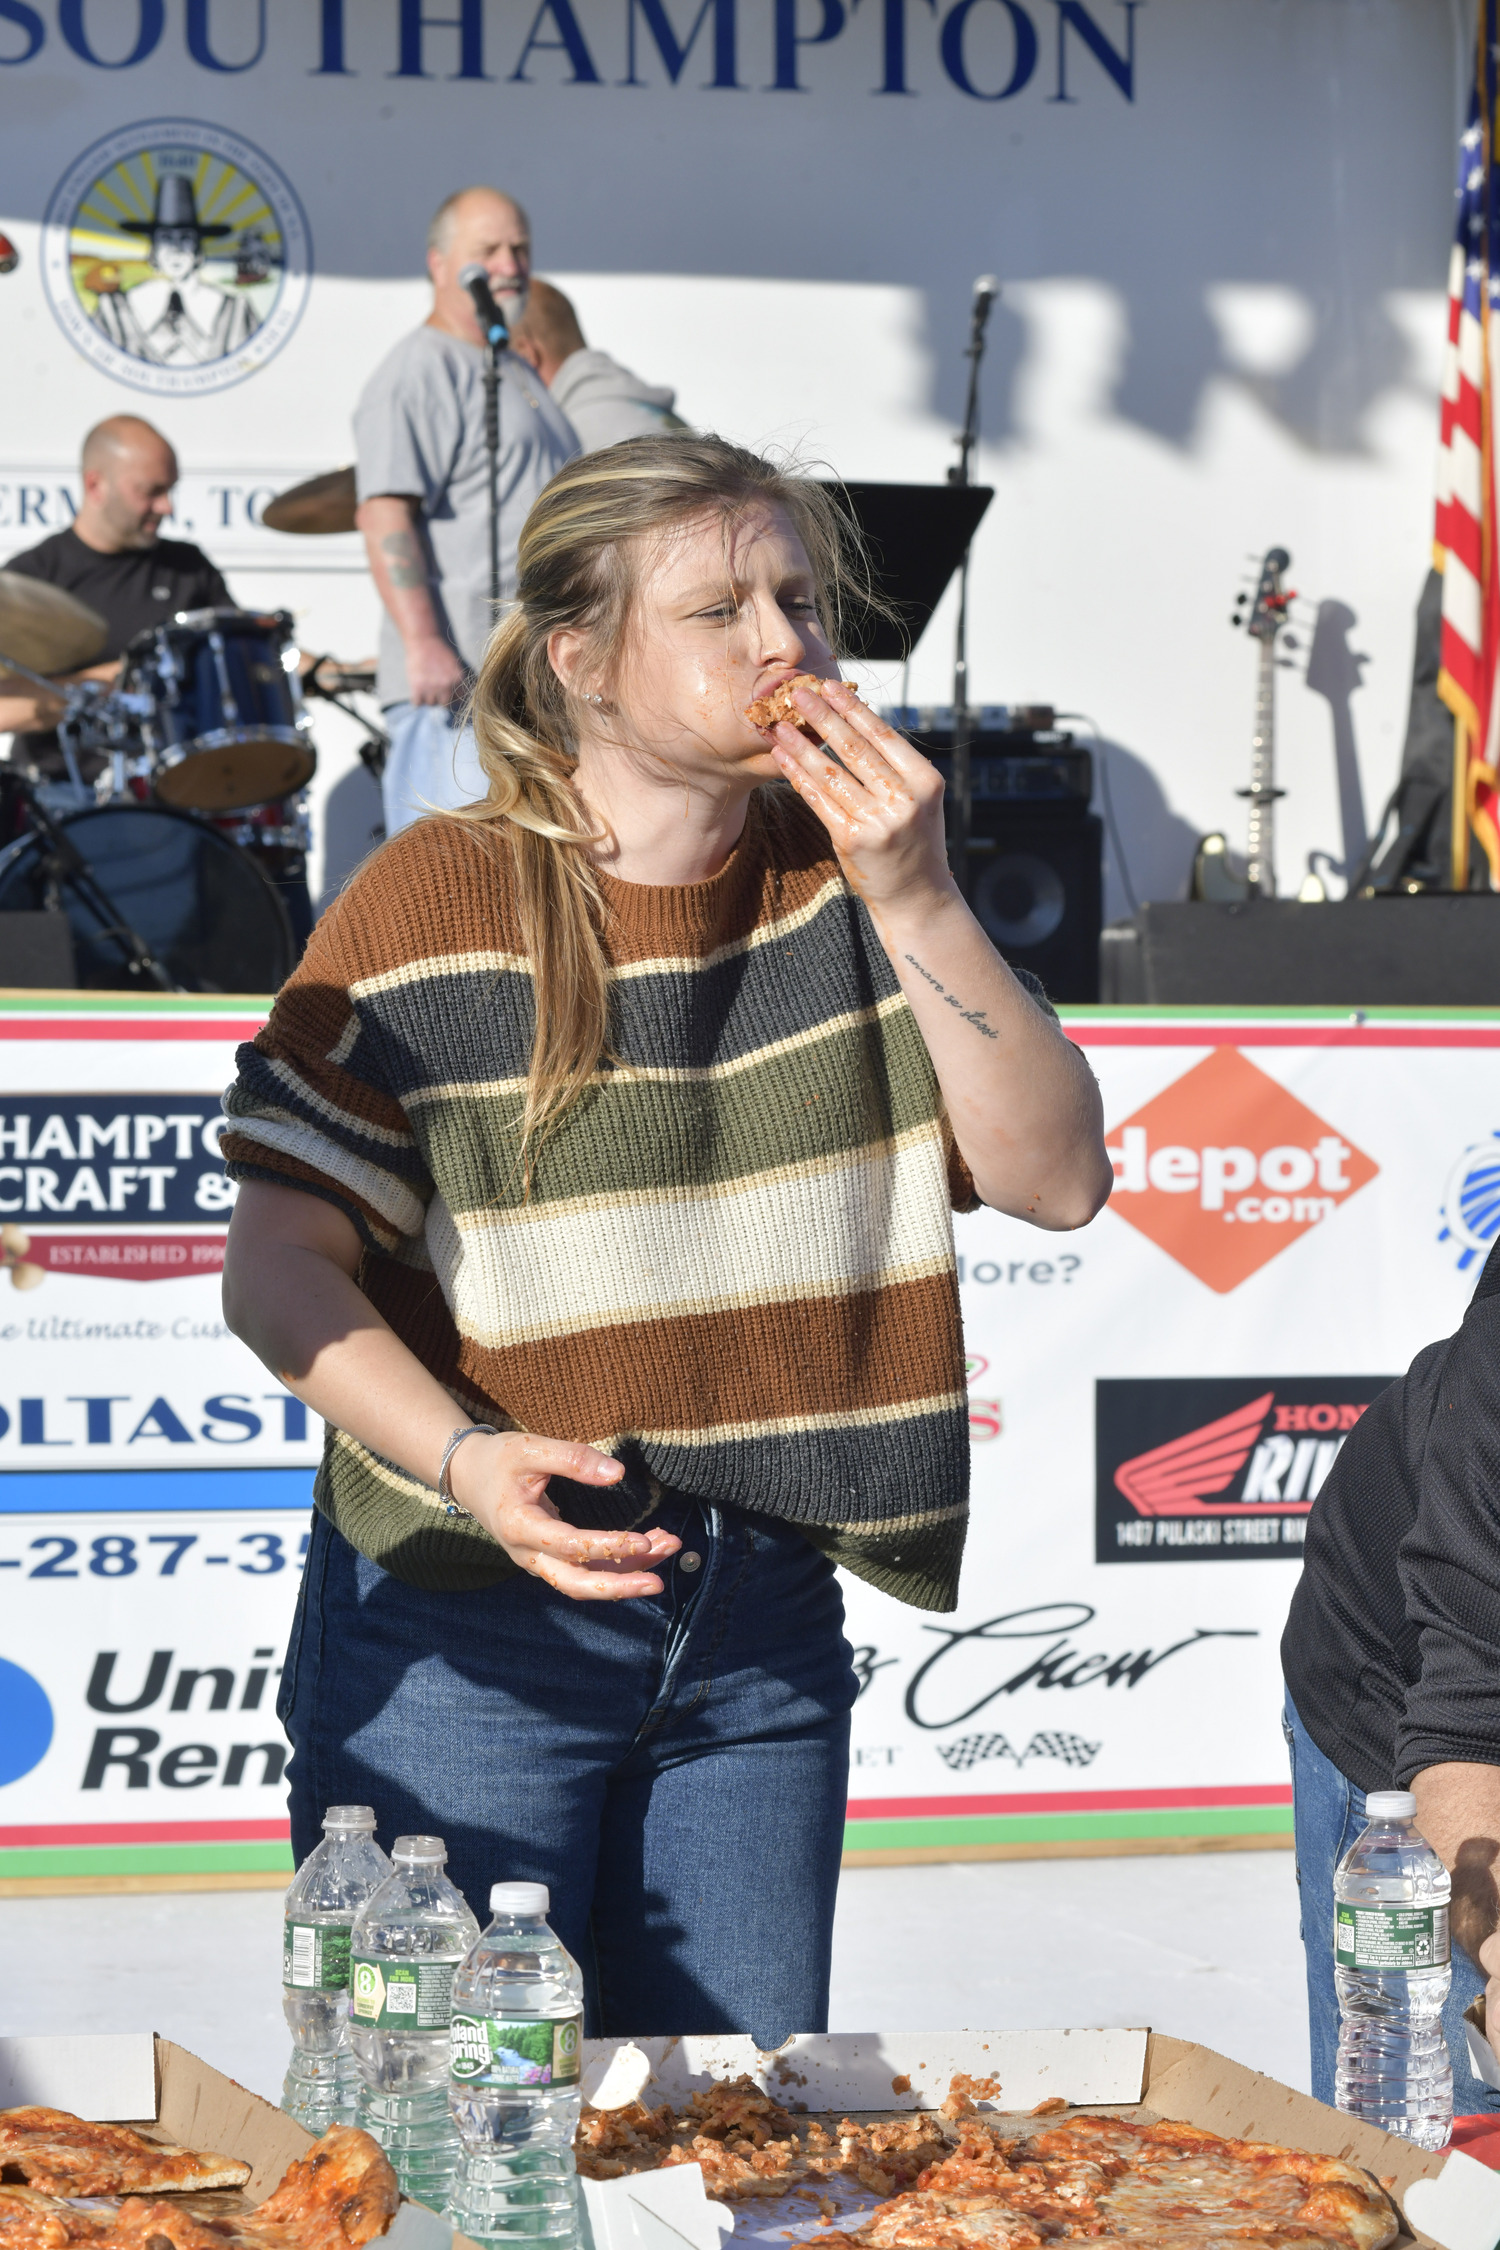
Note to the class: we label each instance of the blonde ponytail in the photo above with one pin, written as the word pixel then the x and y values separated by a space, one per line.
pixel 577 568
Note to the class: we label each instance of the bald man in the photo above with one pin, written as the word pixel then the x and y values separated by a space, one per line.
pixel 113 557
pixel 424 498
pixel 603 400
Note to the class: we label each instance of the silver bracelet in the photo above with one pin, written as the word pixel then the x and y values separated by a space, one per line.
pixel 444 1488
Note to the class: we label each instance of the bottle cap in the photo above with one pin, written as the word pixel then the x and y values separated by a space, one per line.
pixel 349 1816
pixel 1390 1804
pixel 519 1898
pixel 422 1851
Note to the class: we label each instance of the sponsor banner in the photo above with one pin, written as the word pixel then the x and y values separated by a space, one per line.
pixel 1302 1202
pixel 1166 1390
pixel 155 1482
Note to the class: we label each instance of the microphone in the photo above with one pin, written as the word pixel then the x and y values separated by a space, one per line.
pixel 491 319
pixel 986 290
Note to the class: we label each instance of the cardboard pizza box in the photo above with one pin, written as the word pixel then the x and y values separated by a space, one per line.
pixel 1448 2200
pixel 138 2079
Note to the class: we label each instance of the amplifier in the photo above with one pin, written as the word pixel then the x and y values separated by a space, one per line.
pixel 1017 755
pixel 1035 874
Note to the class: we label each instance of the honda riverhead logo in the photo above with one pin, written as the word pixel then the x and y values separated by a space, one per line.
pixel 1217 1468
pixel 1225 1169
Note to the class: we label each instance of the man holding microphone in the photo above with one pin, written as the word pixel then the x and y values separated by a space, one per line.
pixel 424 497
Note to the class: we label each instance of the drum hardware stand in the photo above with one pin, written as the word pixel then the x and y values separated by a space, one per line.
pixel 65 864
pixel 376 743
pixel 961 796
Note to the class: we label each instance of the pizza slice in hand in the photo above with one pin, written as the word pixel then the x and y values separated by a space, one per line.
pixel 767 709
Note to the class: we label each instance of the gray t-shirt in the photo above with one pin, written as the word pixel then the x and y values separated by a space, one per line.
pixel 605 402
pixel 419 430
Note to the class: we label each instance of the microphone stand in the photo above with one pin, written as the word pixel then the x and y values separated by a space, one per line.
pixel 961 794
pixel 497 336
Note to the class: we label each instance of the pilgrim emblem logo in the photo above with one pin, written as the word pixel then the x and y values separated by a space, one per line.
pixel 176 257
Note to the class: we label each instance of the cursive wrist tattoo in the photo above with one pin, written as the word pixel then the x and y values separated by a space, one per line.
pixel 975 1016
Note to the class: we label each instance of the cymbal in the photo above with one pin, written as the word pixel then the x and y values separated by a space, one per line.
pixel 45 628
pixel 321 504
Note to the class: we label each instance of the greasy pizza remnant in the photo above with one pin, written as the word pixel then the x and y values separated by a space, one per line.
pixel 32 2221
pixel 767 709
pixel 749 2145
pixel 60 2154
pixel 1097 2177
pixel 339 2196
pixel 964 2092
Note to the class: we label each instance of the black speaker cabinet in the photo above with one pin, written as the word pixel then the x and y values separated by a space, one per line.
pixel 1434 951
pixel 36 952
pixel 1035 876
pixel 1035 884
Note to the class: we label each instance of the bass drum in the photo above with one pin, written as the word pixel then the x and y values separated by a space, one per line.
pixel 202 907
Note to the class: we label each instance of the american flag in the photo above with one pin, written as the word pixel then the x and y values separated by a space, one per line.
pixel 1467 521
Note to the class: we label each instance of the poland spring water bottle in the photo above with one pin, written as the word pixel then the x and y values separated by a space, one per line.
pixel 1390 1958
pixel 408 1939
pixel 330 1887
pixel 515 2057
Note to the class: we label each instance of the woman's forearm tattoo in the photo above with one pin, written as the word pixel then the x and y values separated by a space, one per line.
pixel 975 1016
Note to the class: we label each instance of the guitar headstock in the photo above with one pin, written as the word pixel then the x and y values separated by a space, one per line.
pixel 1273 597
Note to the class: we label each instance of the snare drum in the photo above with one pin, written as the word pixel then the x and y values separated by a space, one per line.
pixel 227 728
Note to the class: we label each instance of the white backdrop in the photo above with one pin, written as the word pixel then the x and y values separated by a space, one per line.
pixel 1301 1206
pixel 1223 255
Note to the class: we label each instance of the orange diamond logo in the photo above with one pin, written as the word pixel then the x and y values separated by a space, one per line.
pixel 1226 1168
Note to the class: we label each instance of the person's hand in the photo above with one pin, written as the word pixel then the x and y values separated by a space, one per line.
pixel 502 1483
pixel 33 713
pixel 882 804
pixel 434 671
pixel 1488 1959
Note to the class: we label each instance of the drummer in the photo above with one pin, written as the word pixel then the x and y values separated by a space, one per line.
pixel 113 557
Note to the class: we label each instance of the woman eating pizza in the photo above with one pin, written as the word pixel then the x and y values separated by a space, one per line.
pixel 597 1167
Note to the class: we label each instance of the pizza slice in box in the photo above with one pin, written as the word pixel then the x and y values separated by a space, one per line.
pixel 60 2154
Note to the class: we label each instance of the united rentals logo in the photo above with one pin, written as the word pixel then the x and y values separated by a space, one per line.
pixel 1221 1468
pixel 1225 1169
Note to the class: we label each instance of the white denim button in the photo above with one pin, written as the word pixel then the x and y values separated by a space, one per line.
pixel 691 1561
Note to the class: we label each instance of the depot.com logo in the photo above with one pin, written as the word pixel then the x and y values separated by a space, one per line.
pixel 1225 1169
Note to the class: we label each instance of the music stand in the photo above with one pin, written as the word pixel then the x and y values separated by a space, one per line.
pixel 916 536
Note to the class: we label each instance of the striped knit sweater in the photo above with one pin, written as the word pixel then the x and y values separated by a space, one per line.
pixel 734 1266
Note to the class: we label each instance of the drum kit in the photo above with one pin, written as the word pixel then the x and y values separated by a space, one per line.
pixel 175 863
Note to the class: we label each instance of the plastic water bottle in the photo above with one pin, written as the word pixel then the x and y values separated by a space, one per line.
pixel 1390 1954
pixel 330 1887
pixel 515 2056
pixel 408 1939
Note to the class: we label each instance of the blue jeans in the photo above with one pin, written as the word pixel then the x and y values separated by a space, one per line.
pixel 1328 1812
pixel 431 765
pixel 675 1769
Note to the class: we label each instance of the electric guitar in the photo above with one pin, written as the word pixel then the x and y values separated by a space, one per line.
pixel 1212 877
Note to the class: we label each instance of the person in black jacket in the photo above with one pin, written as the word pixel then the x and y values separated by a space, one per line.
pixel 1391 1656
